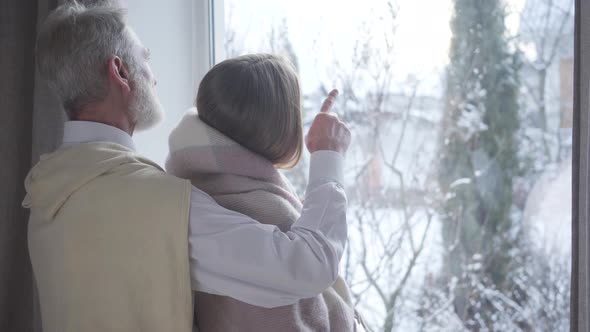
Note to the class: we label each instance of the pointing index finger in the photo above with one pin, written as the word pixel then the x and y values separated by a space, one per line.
pixel 329 101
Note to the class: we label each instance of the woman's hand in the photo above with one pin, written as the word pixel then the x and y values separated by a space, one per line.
pixel 327 132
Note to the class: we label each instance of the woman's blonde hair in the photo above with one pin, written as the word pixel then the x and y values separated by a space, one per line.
pixel 255 100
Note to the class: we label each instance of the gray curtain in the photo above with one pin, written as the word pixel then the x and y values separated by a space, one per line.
pixel 31 124
pixel 580 306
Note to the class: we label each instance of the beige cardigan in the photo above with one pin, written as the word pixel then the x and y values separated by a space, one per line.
pixel 108 241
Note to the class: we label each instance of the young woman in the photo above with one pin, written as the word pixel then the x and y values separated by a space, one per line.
pixel 248 125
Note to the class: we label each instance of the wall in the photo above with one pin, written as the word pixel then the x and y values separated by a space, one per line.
pixel 165 27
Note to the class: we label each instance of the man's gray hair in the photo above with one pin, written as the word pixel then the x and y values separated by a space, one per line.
pixel 73 47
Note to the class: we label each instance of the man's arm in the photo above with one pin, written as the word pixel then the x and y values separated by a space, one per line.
pixel 236 256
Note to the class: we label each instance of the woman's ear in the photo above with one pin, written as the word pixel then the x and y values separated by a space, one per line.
pixel 118 74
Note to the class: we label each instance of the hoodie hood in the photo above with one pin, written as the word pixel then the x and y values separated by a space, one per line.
pixel 197 148
pixel 58 175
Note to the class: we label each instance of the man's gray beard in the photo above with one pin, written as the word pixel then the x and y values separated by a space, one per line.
pixel 145 106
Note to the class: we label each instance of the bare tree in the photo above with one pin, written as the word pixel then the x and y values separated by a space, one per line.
pixel 391 204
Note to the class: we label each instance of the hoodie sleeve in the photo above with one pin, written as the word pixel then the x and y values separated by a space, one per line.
pixel 234 255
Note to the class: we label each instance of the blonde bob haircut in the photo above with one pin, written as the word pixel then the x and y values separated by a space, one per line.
pixel 255 100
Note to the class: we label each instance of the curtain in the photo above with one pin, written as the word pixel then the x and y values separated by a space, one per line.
pixel 31 125
pixel 580 306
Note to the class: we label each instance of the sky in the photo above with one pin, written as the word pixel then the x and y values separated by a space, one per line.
pixel 322 31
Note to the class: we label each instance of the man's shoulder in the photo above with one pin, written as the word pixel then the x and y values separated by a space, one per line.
pixel 119 167
pixel 143 171
pixel 139 185
pixel 102 167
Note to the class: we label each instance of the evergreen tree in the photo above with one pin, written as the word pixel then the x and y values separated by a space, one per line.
pixel 478 158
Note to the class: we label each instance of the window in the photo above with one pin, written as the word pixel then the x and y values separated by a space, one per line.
pixel 459 177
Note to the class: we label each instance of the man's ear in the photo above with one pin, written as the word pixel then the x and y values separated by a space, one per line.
pixel 118 74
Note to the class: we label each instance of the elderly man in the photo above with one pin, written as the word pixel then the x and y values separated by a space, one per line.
pixel 116 244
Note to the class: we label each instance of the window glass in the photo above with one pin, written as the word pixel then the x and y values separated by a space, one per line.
pixel 459 175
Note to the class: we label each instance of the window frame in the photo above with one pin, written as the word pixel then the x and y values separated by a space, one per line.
pixel 207 36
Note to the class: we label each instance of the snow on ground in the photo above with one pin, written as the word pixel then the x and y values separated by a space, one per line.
pixel 548 211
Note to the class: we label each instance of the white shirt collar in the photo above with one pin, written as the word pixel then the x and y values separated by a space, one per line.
pixel 76 132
